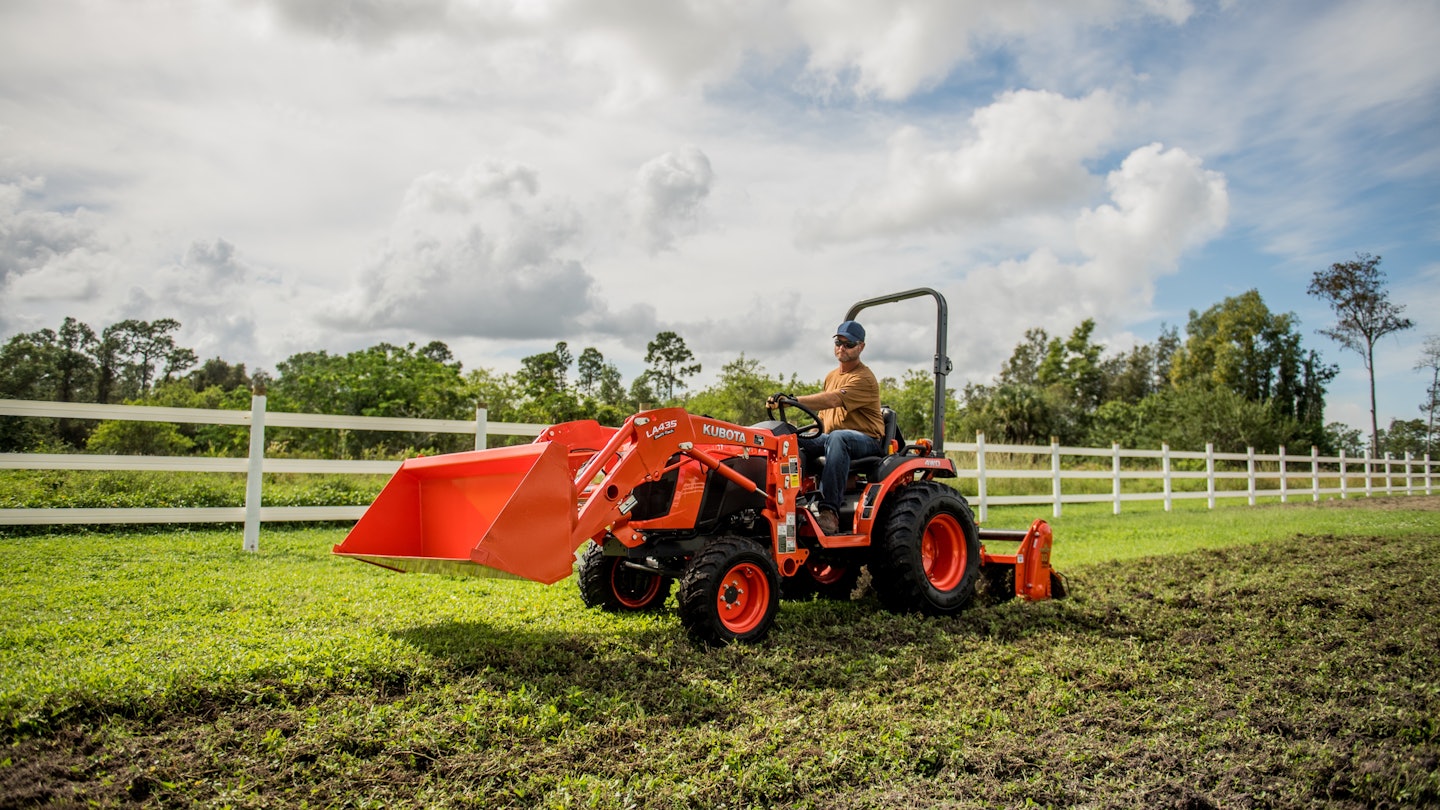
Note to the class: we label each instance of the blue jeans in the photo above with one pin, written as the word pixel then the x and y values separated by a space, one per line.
pixel 838 448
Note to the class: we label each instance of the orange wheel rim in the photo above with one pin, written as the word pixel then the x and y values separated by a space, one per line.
pixel 743 598
pixel 633 589
pixel 942 550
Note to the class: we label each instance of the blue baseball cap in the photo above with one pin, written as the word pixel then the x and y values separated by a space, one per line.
pixel 851 330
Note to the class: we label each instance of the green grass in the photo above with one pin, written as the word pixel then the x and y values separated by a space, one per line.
pixel 1274 656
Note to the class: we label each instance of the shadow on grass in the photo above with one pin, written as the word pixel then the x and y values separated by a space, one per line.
pixel 474 645
pixel 816 644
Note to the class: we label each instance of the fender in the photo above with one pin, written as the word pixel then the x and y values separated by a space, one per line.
pixel 918 468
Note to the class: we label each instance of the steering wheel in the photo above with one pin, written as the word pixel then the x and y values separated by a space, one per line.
pixel 809 431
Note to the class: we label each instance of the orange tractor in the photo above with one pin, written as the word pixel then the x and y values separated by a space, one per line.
pixel 722 509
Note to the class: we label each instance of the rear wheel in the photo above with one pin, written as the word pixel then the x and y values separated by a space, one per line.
pixel 830 579
pixel 730 592
pixel 609 584
pixel 928 557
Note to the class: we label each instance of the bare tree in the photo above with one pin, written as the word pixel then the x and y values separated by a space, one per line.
pixel 1355 290
pixel 1430 359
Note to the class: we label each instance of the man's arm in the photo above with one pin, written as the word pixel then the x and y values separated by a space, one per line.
pixel 822 401
pixel 816 402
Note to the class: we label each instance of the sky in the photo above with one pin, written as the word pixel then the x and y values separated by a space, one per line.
pixel 285 176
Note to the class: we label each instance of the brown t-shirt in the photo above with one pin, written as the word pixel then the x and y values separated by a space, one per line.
pixel 860 402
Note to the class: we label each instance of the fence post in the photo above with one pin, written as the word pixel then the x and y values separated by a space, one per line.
pixel 1284 486
pixel 1055 472
pixel 1369 485
pixel 482 425
pixel 1344 479
pixel 1210 473
pixel 1409 484
pixel 1250 471
pixel 1389 482
pixel 1115 450
pixel 980 475
pixel 1314 473
pixel 1427 473
pixel 1165 463
pixel 255 473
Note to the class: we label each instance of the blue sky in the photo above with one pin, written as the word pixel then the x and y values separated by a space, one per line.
pixel 293 175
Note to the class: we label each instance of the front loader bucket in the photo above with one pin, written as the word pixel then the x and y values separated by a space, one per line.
pixel 510 510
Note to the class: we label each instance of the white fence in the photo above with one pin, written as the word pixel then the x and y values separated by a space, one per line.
pixel 257 420
pixel 1248 475
pixel 1098 475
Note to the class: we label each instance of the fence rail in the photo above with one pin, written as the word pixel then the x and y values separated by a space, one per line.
pixel 1315 475
pixel 257 419
pixel 1098 475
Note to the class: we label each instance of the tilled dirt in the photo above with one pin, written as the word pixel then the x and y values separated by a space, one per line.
pixel 1389 503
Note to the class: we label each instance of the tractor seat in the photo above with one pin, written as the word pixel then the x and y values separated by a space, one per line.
pixel 870 465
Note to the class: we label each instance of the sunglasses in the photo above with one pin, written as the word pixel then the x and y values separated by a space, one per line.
pixel 849 344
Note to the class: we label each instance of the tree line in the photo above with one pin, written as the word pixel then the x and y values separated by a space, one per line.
pixel 1240 376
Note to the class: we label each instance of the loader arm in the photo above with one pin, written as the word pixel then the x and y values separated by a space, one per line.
pixel 523 511
pixel 640 451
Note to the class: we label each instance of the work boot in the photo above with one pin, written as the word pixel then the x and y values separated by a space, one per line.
pixel 829 521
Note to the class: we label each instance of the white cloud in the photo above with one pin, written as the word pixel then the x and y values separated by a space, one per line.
pixel 1163 202
pixel 368 21
pixel 65 280
pixel 644 49
pixel 324 140
pixel 212 292
pixel 49 260
pixel 1308 113
pixel 649 49
pixel 1026 154
pixel 893 49
pixel 668 195
pixel 482 254
pixel 662 46
pixel 216 263
pixel 32 241
pixel 1357 58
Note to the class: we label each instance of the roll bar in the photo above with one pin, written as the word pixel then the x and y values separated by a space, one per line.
pixel 942 360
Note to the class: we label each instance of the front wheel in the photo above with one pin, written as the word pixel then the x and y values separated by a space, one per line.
pixel 730 592
pixel 609 584
pixel 928 557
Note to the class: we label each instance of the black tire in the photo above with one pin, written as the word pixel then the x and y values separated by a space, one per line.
pixel 928 555
pixel 609 584
pixel 829 579
pixel 730 592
